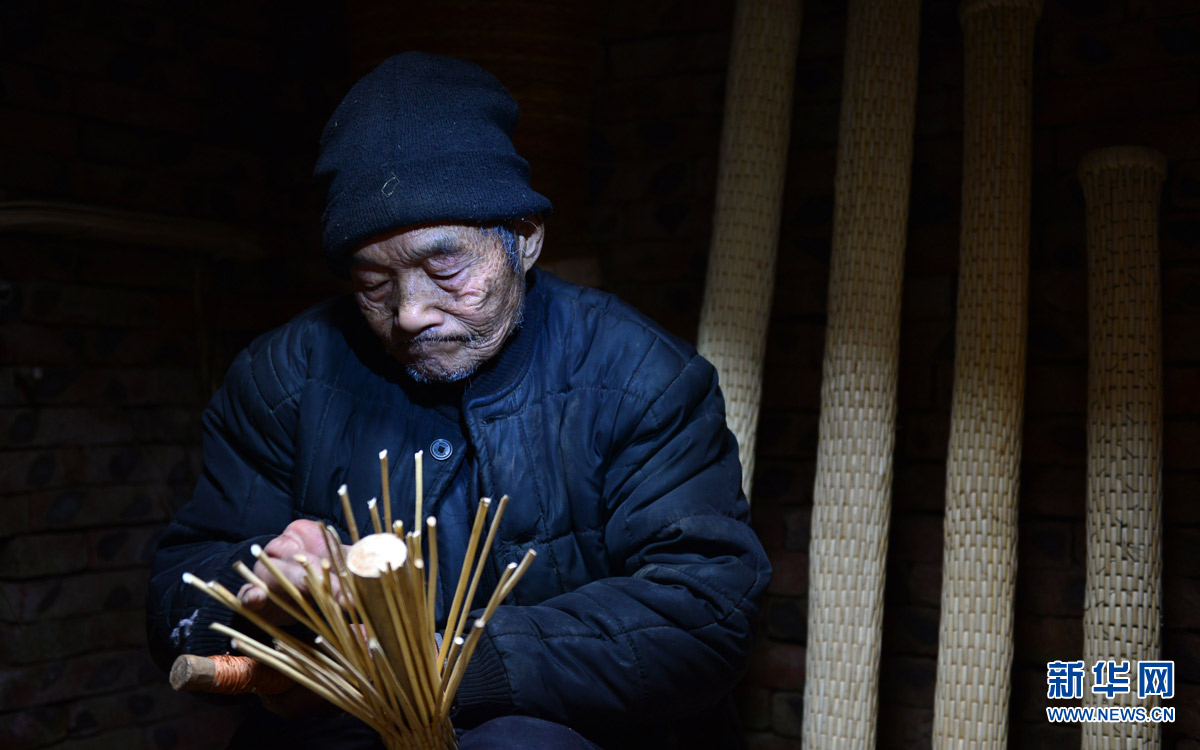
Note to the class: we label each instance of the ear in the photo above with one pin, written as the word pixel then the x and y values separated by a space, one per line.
pixel 530 232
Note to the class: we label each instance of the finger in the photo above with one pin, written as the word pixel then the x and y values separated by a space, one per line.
pixel 256 599
pixel 301 537
pixel 292 571
pixel 284 546
pixel 310 537
pixel 245 593
pixel 252 597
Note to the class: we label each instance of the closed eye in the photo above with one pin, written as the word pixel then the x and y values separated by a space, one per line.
pixel 371 288
pixel 444 266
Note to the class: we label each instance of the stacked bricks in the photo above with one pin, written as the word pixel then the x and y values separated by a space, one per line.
pixel 206 110
pixel 656 130
pixel 99 401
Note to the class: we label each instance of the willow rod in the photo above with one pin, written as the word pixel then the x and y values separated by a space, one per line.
pixel 419 469
pixel 431 592
pixel 386 492
pixel 348 511
pixel 373 509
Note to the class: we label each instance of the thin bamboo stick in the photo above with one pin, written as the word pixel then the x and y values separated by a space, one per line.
pixel 386 492
pixel 406 702
pixel 526 561
pixel 373 509
pixel 426 625
pixel 497 597
pixel 431 588
pixel 460 665
pixel 348 512
pixel 419 468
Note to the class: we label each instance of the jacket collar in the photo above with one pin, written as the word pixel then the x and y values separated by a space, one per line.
pixel 501 375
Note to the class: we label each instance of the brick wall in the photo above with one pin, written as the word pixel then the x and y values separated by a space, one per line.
pixel 109 350
pixel 655 134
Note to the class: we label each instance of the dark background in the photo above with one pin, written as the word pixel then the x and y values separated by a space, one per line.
pixel 210 112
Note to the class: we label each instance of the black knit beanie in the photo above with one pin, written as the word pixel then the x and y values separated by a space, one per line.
pixel 420 139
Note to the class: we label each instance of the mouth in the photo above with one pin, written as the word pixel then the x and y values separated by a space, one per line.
pixel 421 342
pixel 436 359
pixel 424 347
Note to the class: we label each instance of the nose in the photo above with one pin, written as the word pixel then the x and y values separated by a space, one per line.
pixel 417 310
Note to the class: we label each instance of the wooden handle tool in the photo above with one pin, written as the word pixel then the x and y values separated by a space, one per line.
pixel 226 674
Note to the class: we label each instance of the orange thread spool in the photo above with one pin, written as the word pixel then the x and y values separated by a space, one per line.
pixel 233 675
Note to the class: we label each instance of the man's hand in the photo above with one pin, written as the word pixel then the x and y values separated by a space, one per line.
pixel 301 537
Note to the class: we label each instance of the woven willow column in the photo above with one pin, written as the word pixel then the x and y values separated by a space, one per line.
pixel 852 496
pixel 1123 599
pixel 741 261
pixel 980 560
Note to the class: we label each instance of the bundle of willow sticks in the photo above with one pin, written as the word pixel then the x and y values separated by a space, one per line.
pixel 376 653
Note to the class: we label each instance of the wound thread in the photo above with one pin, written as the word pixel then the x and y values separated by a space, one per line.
pixel 234 675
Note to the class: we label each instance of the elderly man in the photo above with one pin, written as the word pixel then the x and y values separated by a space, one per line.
pixel 608 433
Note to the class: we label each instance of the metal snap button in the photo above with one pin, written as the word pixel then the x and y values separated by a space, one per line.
pixel 441 449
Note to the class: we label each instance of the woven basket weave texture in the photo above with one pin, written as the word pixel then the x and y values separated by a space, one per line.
pixel 750 176
pixel 982 469
pixel 1123 595
pixel 852 494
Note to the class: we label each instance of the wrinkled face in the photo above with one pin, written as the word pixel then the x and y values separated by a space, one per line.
pixel 442 298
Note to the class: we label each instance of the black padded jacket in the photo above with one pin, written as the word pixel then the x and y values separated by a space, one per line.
pixel 609 435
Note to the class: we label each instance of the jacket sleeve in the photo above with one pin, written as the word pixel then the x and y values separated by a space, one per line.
pixel 670 633
pixel 242 498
